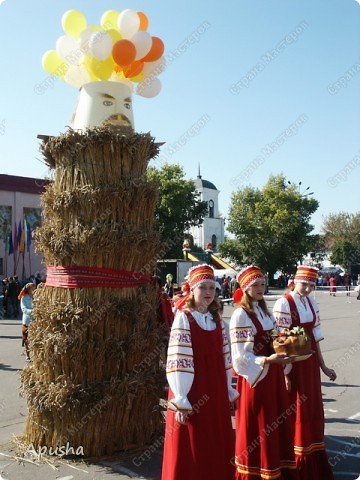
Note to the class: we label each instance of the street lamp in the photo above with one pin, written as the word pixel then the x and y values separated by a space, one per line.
pixel 303 193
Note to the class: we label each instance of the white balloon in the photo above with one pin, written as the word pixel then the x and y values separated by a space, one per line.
pixel 68 49
pixel 100 45
pixel 154 68
pixel 77 76
pixel 84 39
pixel 143 42
pixel 148 88
pixel 128 23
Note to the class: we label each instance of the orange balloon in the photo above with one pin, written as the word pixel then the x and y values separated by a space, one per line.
pixel 144 22
pixel 156 51
pixel 134 69
pixel 124 52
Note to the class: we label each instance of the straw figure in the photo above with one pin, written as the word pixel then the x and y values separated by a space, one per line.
pixel 95 380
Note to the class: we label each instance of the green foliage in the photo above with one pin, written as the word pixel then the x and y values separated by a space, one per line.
pixel 318 250
pixel 345 253
pixel 271 226
pixel 231 249
pixel 178 207
pixel 338 227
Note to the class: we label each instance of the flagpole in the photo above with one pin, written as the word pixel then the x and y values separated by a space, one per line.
pixel 15 244
pixel 23 269
pixel 5 254
pixel 17 262
pixel 29 262
pixel 5 266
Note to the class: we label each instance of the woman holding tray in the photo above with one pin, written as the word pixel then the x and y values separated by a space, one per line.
pixel 297 309
pixel 264 430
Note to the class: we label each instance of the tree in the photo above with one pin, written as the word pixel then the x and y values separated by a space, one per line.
pixel 179 207
pixel 338 227
pixel 271 226
pixel 345 253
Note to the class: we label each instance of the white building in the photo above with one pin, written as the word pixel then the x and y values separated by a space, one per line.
pixel 212 229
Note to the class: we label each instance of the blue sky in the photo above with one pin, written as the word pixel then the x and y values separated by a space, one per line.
pixel 252 88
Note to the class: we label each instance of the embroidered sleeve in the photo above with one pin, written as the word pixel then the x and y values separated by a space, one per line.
pixel 233 394
pixel 250 366
pixel 180 362
pixel 318 335
pixel 282 315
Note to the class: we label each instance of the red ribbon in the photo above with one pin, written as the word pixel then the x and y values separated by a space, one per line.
pixel 92 277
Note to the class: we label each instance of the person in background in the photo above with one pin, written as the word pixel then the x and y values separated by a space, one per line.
pixel 198 434
pixel 12 299
pixel 169 286
pixel 347 283
pixel 297 309
pixel 26 305
pixel 332 283
pixel 264 430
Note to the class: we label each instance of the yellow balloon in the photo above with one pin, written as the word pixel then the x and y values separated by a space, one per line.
pixel 53 64
pixel 100 70
pixel 114 34
pixel 109 19
pixel 87 64
pixel 73 23
pixel 138 78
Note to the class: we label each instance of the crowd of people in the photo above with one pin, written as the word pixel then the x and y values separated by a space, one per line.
pixel 278 405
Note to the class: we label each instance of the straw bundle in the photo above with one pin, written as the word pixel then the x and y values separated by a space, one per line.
pixel 95 377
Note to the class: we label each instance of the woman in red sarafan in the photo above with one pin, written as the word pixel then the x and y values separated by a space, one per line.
pixel 199 441
pixel 264 430
pixel 303 378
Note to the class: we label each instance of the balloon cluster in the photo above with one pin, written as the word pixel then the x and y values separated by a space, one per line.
pixel 120 50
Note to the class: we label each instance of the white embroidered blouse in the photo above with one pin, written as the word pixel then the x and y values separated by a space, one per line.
pixel 281 312
pixel 180 363
pixel 242 334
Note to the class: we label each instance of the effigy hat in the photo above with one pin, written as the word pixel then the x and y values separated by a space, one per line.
pixel 200 274
pixel 248 276
pixel 305 274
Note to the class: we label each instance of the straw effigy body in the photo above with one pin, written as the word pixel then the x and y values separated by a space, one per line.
pixel 95 380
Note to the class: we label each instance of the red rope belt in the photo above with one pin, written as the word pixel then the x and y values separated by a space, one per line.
pixel 92 277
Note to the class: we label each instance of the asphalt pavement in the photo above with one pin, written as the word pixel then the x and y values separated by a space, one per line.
pixel 341 349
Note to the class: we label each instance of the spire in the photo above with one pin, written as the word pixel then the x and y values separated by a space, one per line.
pixel 199 176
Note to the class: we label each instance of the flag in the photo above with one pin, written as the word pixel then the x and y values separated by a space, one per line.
pixel 11 245
pixel 15 241
pixel 19 233
pixel 21 238
pixel 28 235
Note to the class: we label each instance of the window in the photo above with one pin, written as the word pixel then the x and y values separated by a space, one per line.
pixel 211 208
pixel 213 240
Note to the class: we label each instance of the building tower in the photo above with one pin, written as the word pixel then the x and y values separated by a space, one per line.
pixel 212 228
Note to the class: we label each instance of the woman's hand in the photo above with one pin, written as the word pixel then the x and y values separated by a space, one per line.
pixel 233 405
pixel 276 358
pixel 287 383
pixel 329 372
pixel 182 417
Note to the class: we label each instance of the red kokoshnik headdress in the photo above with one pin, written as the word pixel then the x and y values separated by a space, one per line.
pixel 196 275
pixel 200 274
pixel 306 274
pixel 248 276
